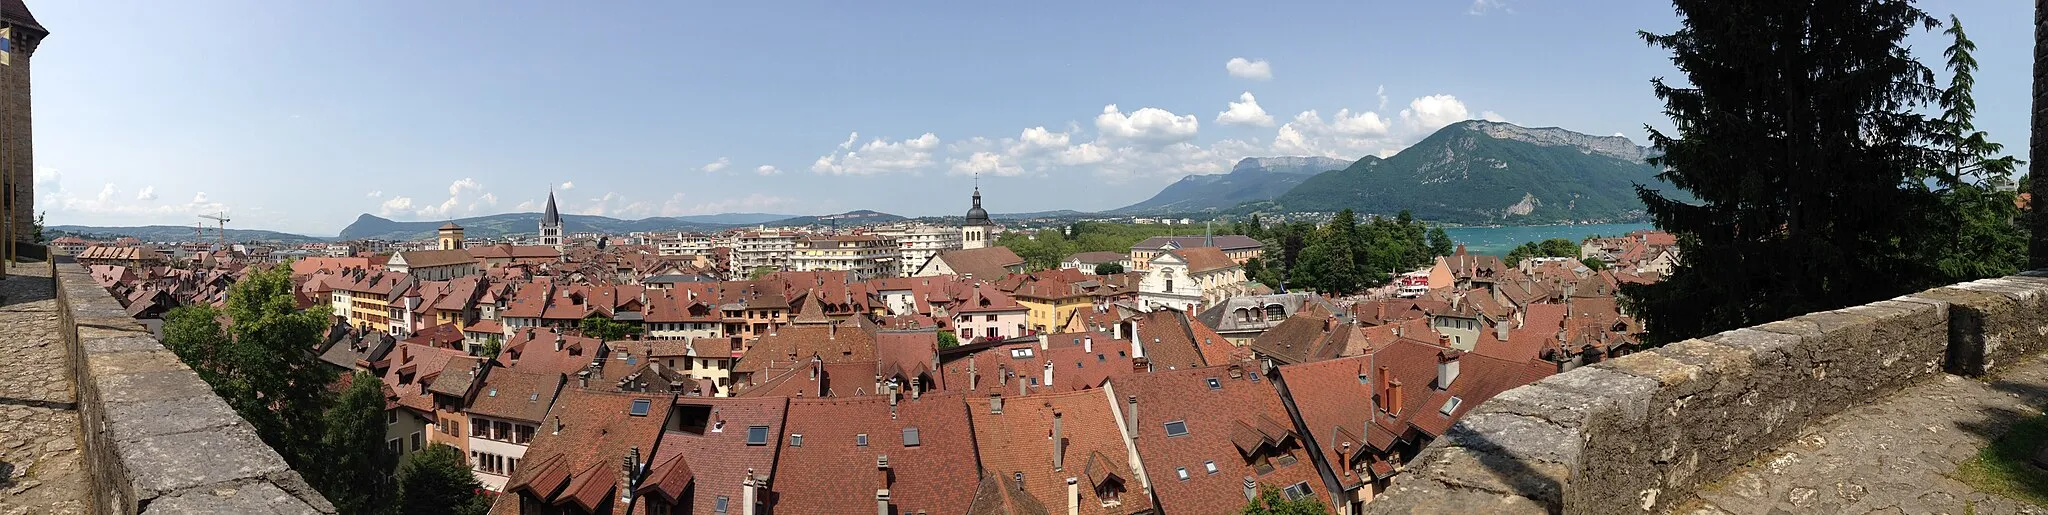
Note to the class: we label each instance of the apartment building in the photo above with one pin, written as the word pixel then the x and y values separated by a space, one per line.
pixel 756 249
pixel 864 256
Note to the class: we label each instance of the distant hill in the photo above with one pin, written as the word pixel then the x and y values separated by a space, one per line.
pixel 1253 179
pixel 370 226
pixel 1063 213
pixel 178 233
pixel 1479 172
pixel 849 219
pixel 732 218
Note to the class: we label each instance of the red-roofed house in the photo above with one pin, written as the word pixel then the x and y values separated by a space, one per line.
pixel 1053 453
pixel 1208 438
pixel 864 454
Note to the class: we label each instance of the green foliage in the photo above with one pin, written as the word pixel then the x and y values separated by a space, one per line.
pixel 1461 174
pixel 2002 468
pixel 1043 250
pixel 1346 257
pixel 437 481
pixel 1817 181
pixel 1554 247
pixel 1109 268
pixel 1973 181
pixel 758 272
pixel 354 463
pixel 1440 242
pixel 1271 502
pixel 1594 264
pixel 36 230
pixel 603 328
pixel 491 347
pixel 948 340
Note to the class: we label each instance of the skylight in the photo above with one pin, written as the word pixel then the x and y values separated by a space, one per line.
pixel 1177 428
pixel 757 435
pixel 640 407
pixel 1182 472
pixel 1451 405
pixel 1215 384
pixel 910 437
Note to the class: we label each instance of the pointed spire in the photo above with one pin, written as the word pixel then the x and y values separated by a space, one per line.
pixel 551 216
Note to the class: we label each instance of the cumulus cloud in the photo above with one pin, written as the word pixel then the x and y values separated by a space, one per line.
pixel 374 193
pixel 147 193
pixel 1481 7
pixel 767 170
pixel 850 138
pixel 1245 111
pixel 1346 135
pixel 984 163
pixel 1147 126
pixel 197 198
pixel 1038 139
pixel 1382 93
pixel 879 156
pixel 107 193
pixel 1434 112
pixel 716 166
pixel 1249 69
pixel 396 206
pixel 568 185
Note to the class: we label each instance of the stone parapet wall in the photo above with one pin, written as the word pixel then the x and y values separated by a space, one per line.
pixel 1641 433
pixel 157 439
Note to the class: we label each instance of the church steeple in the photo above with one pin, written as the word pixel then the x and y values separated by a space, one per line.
pixel 974 232
pixel 551 223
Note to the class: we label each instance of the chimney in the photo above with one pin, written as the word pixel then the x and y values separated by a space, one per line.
pixel 1059 443
pixel 1047 381
pixel 1447 368
pixel 1133 415
pixel 1087 344
pixel 1073 497
pixel 583 378
pixel 971 375
pixel 882 494
pixel 631 464
pixel 559 340
pixel 1500 330
pixel 558 424
pixel 1394 398
pixel 1383 385
pixel 747 493
pixel 1044 342
pixel 1138 346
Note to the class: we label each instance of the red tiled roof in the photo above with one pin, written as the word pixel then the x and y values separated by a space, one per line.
pixel 1091 449
pixel 1334 398
pixel 1210 415
pixel 718 461
pixel 987 263
pixel 515 395
pixel 580 465
pixel 1204 259
pixel 831 473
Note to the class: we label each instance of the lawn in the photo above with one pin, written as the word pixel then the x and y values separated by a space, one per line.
pixel 2004 467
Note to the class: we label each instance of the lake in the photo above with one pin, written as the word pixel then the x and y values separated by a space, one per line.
pixel 1499 240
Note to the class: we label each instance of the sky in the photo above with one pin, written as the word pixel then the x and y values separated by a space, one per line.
pixel 300 116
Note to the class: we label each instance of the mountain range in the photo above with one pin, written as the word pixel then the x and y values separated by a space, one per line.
pixel 175 233
pixel 1253 179
pixel 1481 172
pixel 368 226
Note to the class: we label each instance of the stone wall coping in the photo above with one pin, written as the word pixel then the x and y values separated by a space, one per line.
pixel 158 440
pixel 1641 433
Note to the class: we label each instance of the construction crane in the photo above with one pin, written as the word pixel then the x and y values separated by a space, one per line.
pixel 222 219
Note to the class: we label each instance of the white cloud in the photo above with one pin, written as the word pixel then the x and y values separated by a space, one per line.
pixel 1248 69
pixel 1620 135
pixel 1382 93
pixel 1492 116
pixel 1149 126
pixel 568 185
pixel 716 166
pixel 397 206
pixel 880 156
pixel 850 137
pixel 147 193
pixel 106 194
pixel 767 170
pixel 1481 7
pixel 1346 135
pixel 528 205
pixel 375 194
pixel 1038 139
pixel 1433 112
pixel 462 185
pixel 1245 112
pixel 1084 154
pixel 985 163
pixel 199 198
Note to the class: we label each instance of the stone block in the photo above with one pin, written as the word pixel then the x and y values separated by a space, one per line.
pixel 1424 497
pixel 1993 320
pixel 121 344
pixel 150 386
pixel 134 420
pixel 163 464
pixel 256 497
pixel 133 362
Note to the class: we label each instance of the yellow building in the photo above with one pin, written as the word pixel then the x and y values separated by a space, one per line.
pixel 364 299
pixel 1051 303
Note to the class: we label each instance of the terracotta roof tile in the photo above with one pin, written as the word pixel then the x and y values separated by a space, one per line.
pixel 832 473
pixel 1091 449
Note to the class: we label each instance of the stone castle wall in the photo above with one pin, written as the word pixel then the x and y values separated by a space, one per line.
pixel 157 439
pixel 17 135
pixel 1640 433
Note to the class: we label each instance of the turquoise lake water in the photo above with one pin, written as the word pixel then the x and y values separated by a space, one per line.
pixel 1499 240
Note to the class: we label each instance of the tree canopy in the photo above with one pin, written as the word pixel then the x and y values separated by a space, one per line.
pixel 263 364
pixel 437 481
pixel 1346 256
pixel 356 465
pixel 604 328
pixel 1554 247
pixel 1820 179
pixel 1271 502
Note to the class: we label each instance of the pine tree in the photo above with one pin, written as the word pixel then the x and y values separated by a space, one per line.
pixel 1974 182
pixel 1797 132
pixel 437 481
pixel 1439 242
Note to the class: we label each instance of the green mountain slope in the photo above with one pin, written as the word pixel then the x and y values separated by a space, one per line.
pixel 1479 172
pixel 1253 179
pixel 176 233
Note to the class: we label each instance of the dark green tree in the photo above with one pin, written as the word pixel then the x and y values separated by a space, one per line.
pixel 948 340
pixel 1973 180
pixel 437 481
pixel 1109 268
pixel 1554 247
pixel 354 464
pixel 1594 264
pixel 1271 502
pixel 1797 132
pixel 36 231
pixel 760 271
pixel 604 328
pixel 1440 242
pixel 1330 263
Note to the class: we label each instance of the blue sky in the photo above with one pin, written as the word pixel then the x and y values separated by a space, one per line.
pixel 298 116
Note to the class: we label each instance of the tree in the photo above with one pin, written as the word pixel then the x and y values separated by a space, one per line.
pixel 948 340
pixel 354 461
pixel 1798 136
pixel 1330 263
pixel 759 272
pixel 1109 268
pixel 1974 182
pixel 603 328
pixel 437 481
pixel 1439 242
pixel 1271 502
pixel 1554 247
pixel 36 230
pixel 1594 264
